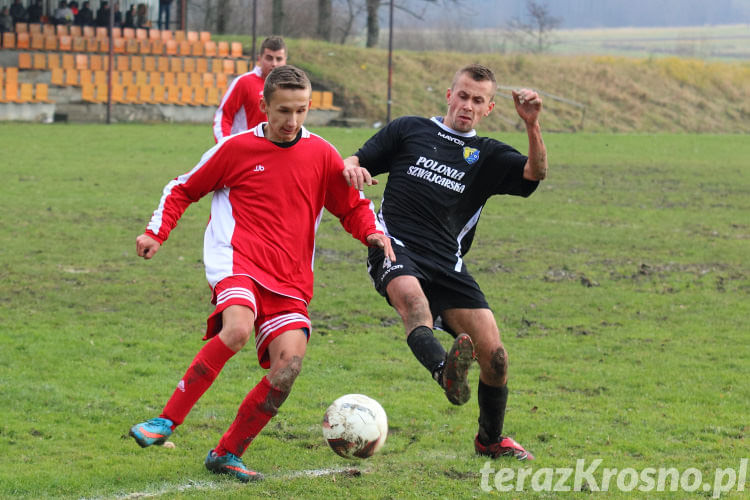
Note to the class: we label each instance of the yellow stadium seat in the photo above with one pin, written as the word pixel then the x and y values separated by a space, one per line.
pixel 24 60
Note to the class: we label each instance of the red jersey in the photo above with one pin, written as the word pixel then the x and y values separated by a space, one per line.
pixel 239 109
pixel 267 204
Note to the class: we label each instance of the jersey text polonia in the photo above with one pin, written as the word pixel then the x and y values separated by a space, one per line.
pixel 437 173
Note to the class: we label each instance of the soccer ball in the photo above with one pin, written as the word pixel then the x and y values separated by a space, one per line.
pixel 355 426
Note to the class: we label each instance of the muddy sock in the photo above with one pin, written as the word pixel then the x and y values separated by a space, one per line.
pixel 428 350
pixel 492 401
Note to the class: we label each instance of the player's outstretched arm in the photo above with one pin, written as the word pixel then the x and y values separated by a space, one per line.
pixel 529 106
pixel 355 175
pixel 384 242
pixel 146 246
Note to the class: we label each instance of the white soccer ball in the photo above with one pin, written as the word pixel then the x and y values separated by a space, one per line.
pixel 355 426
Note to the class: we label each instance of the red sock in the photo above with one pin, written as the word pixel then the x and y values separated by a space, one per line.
pixel 259 406
pixel 197 379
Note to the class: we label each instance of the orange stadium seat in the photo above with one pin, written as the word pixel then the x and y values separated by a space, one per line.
pixel 157 47
pixel 188 65
pixel 183 48
pixel 201 65
pixel 227 66
pixel 191 36
pixel 40 61
pixel 216 66
pixel 162 64
pixel 196 48
pixel 315 99
pixel 154 78
pixel 24 60
pixel 204 36
pixel 11 92
pixel 154 34
pixel 173 95
pixel 26 93
pixel 76 31
pixel 35 28
pixel 62 30
pixel 182 79
pixel 101 93
pixel 9 40
pixel 50 42
pixel 101 32
pixel 100 77
pixel 175 64
pixel 236 49
pixel 126 78
pixel 22 27
pixel 11 74
pixel 41 93
pixel 53 60
pixel 208 80
pixel 68 61
pixel 149 63
pixel 209 48
pixel 212 96
pixel 242 66
pixel 23 40
pixel 132 46
pixel 166 35
pixel 171 47
pixel 221 81
pixel 179 36
pixel 92 44
pixel 37 41
pixel 71 77
pixel 123 63
pixel 119 45
pixel 66 42
pixel 128 33
pixel 58 77
pixel 84 76
pixel 199 96
pixel 79 44
pixel 143 47
pixel 87 93
pixel 222 49
pixel 82 61
pixel 48 30
pixel 141 78
pixel 158 96
pixel 169 79
pixel 144 93
pixel 136 63
pixel 89 32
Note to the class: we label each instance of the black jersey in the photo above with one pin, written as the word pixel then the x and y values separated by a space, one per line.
pixel 438 183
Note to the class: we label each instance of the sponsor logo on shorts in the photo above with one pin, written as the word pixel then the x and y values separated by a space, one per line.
pixel 181 386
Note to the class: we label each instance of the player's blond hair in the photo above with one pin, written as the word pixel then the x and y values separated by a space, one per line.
pixel 478 73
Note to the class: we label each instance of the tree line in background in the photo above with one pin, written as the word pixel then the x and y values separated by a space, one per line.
pixel 359 21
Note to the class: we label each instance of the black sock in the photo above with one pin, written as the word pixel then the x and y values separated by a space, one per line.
pixel 428 350
pixel 492 401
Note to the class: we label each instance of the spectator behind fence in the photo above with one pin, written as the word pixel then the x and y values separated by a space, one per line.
pixel 35 11
pixel 141 16
pixel 6 22
pixel 118 15
pixel 164 7
pixel 102 15
pixel 85 16
pixel 130 17
pixel 17 12
pixel 63 14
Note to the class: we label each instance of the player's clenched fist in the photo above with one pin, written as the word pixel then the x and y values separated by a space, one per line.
pixel 146 246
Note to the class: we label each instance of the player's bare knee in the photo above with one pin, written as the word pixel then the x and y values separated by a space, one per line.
pixel 283 378
pixel 235 336
pixel 499 366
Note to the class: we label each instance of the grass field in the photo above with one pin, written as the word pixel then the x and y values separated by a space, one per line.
pixel 621 288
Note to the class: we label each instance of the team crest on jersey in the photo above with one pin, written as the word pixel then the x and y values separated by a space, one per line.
pixel 471 155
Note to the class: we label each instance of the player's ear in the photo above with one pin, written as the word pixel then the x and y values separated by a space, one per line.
pixel 490 108
pixel 263 105
pixel 448 95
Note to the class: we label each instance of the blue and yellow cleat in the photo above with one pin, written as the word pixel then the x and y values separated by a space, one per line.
pixel 232 465
pixel 154 431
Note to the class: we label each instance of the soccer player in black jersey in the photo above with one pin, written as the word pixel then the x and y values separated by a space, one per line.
pixel 440 175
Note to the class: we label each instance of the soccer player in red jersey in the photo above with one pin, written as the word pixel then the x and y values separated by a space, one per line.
pixel 239 109
pixel 270 185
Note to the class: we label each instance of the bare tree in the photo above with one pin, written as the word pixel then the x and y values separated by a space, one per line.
pixel 345 21
pixel 535 35
pixel 373 24
pixel 325 10
pixel 277 17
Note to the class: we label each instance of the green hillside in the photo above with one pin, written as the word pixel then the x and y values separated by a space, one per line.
pixel 620 94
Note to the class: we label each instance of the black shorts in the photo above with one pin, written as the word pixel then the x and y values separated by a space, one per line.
pixel 444 287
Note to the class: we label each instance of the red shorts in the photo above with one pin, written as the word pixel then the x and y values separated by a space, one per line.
pixel 274 313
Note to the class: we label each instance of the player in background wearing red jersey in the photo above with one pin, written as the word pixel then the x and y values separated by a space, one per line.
pixel 239 109
pixel 270 185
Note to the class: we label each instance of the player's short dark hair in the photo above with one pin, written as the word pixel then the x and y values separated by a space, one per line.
pixel 478 73
pixel 285 77
pixel 273 43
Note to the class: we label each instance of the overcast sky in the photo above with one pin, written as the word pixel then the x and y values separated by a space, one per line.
pixel 592 13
